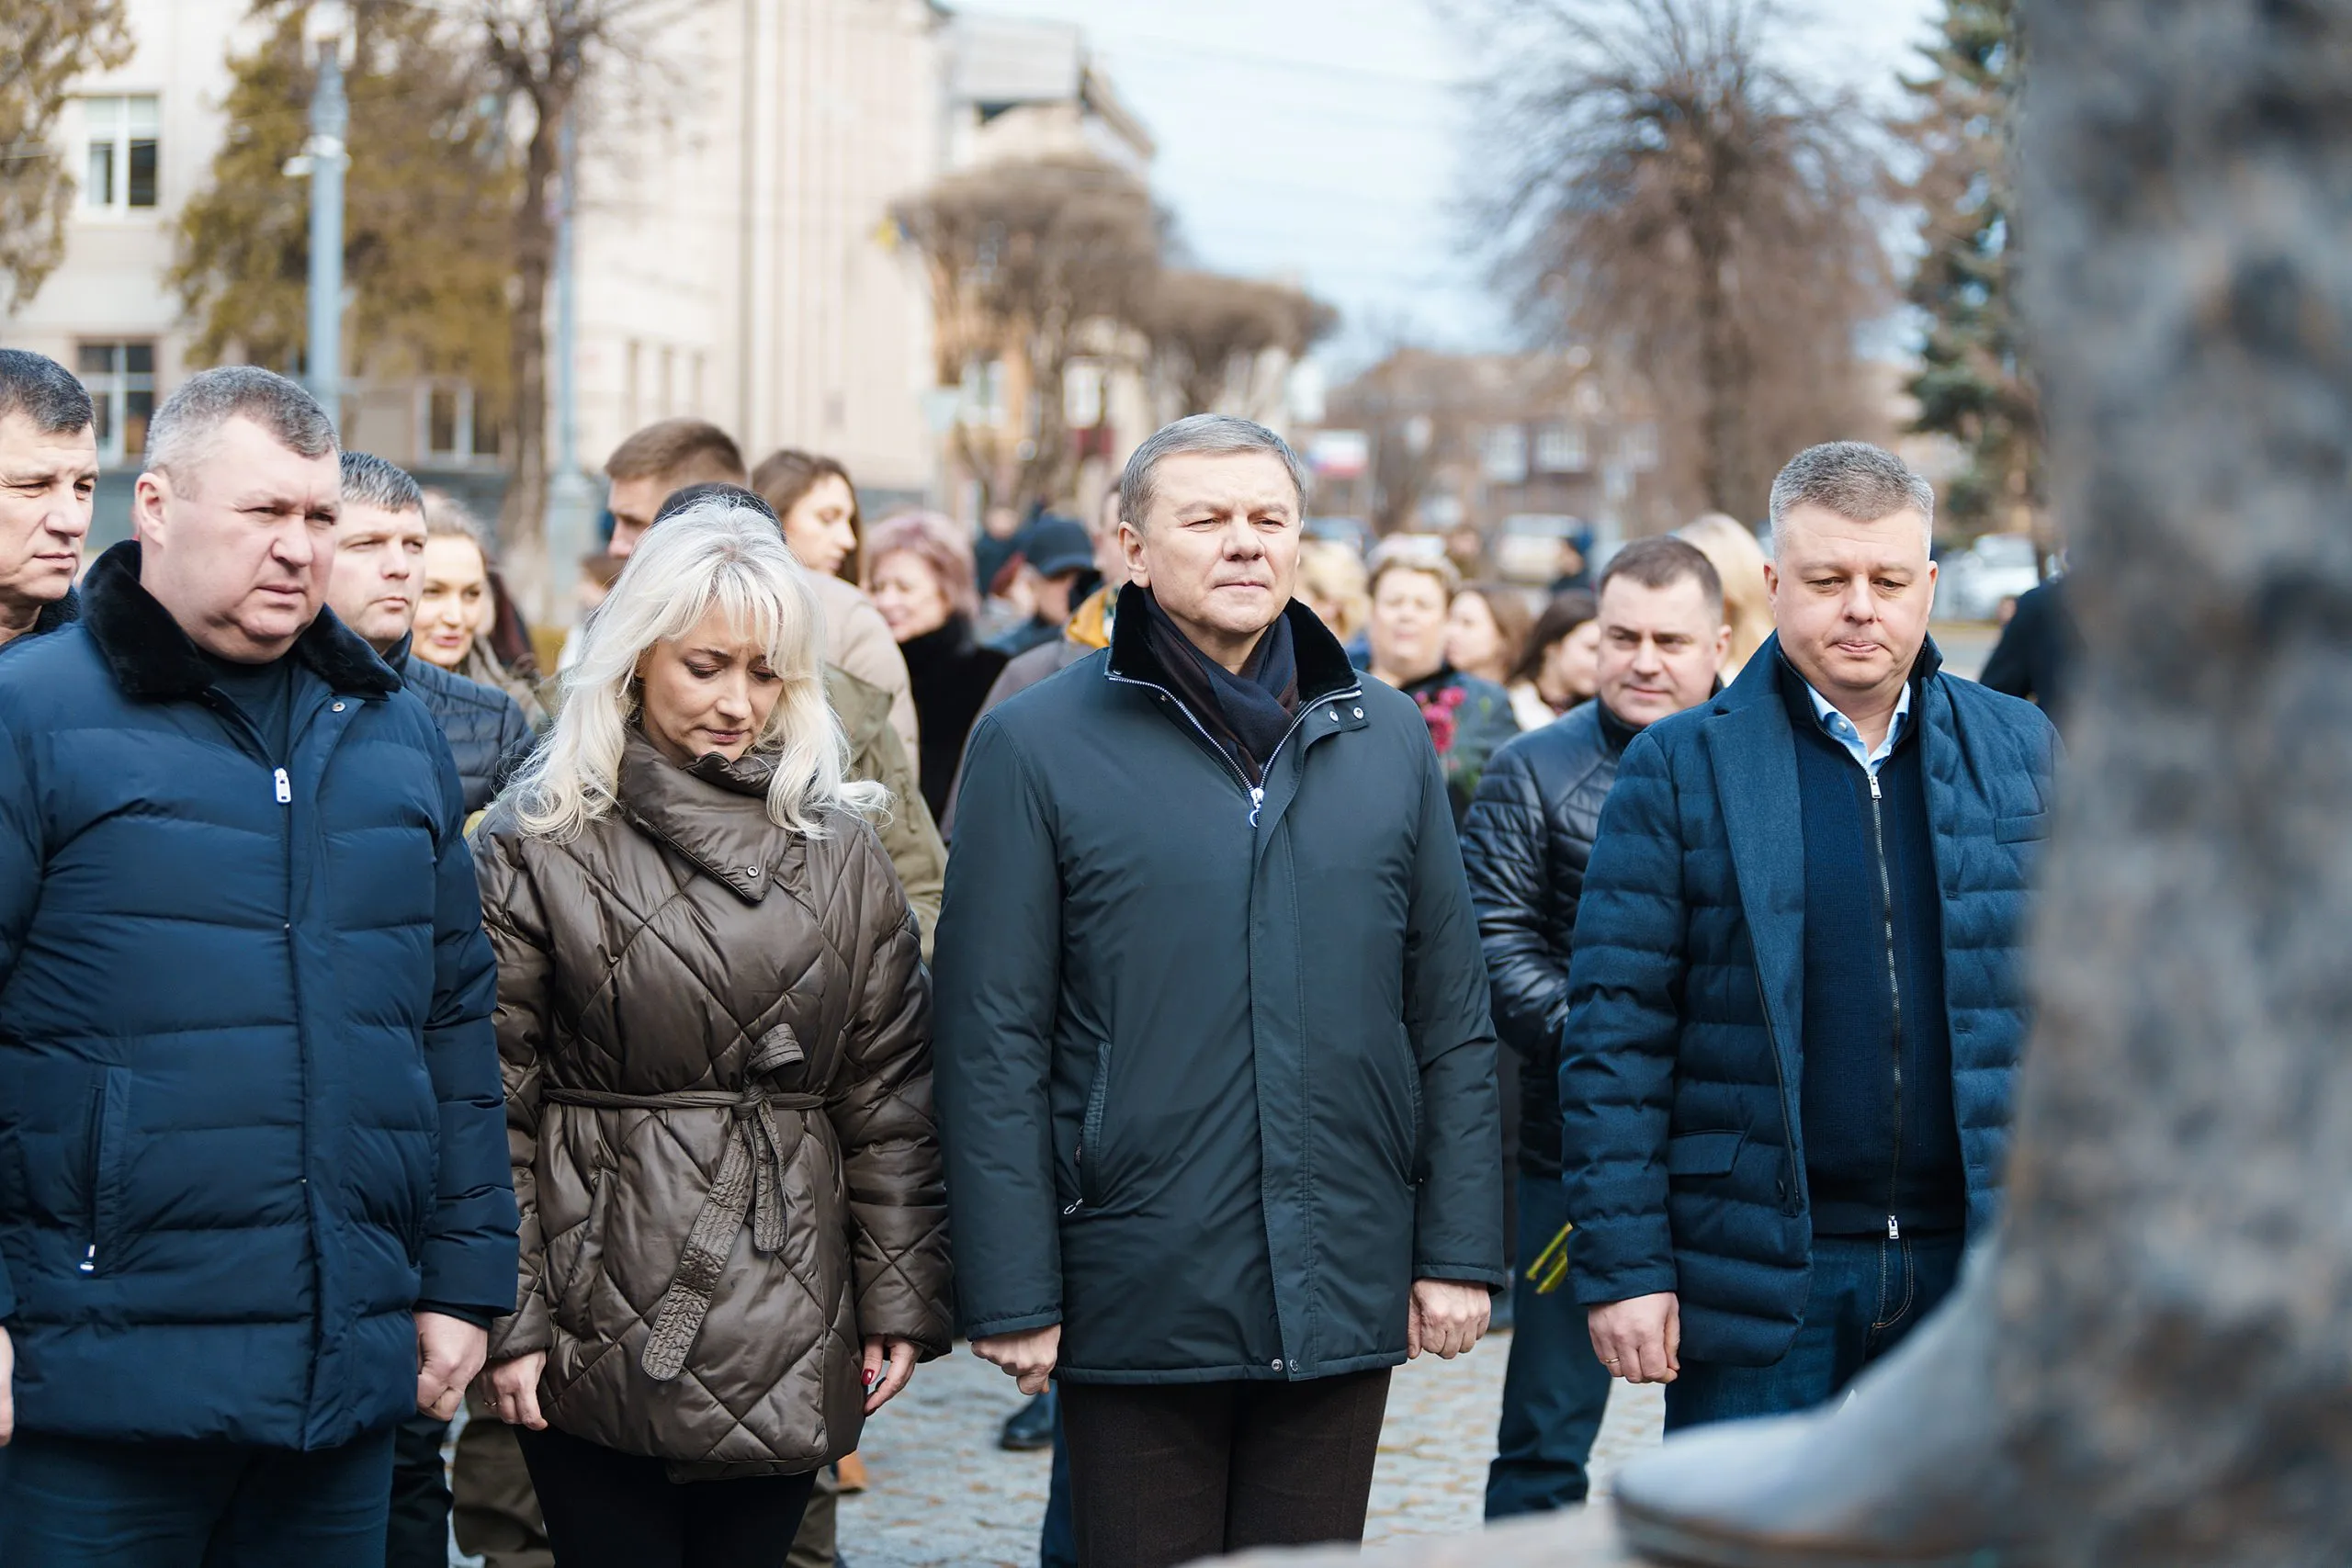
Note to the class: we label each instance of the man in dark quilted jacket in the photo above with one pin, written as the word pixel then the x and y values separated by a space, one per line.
pixel 1798 994
pixel 378 558
pixel 256 1205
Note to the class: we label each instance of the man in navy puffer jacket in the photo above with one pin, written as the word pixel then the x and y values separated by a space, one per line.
pixel 1797 1000
pixel 254 1199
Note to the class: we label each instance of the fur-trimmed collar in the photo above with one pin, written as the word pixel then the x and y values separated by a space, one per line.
pixel 152 660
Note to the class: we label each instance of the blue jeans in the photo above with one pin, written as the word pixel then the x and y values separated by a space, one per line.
pixel 1554 1389
pixel 1867 1294
pixel 78 1502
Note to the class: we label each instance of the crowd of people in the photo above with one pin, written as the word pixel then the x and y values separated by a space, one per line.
pixel 1199 965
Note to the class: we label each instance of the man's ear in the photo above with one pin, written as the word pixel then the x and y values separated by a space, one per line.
pixel 1130 546
pixel 1722 642
pixel 147 505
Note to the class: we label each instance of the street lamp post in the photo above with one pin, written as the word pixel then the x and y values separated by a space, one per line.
pixel 571 499
pixel 326 35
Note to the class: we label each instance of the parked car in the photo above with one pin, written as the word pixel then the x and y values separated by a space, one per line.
pixel 1975 582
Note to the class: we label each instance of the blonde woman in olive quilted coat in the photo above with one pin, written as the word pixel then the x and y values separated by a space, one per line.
pixel 715 1027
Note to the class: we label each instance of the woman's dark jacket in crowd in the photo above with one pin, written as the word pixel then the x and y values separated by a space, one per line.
pixel 488 738
pixel 1215 1073
pixel 249 1103
pixel 1525 845
pixel 717 1041
pixel 1683 1055
pixel 952 674
pixel 1468 717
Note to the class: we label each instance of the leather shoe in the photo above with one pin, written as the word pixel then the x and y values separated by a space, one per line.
pixel 1030 1429
pixel 1909 1470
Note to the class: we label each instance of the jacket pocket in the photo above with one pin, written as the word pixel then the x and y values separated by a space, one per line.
pixel 2021 830
pixel 1089 1130
pixel 109 1153
pixel 1703 1153
pixel 1416 1136
pixel 570 1293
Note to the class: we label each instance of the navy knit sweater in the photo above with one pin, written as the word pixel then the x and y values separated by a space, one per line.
pixel 1881 1142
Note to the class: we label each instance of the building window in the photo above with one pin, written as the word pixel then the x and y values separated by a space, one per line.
pixel 121 380
pixel 459 428
pixel 118 165
pixel 1560 449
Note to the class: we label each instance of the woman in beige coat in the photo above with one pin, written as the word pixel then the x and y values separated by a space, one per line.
pixel 715 1027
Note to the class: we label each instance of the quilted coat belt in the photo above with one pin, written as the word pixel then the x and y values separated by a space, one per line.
pixel 749 1182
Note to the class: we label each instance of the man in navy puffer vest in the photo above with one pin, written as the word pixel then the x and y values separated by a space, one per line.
pixel 254 1199
pixel 1797 1000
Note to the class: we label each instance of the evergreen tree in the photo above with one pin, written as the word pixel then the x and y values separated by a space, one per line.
pixel 1974 385
pixel 429 204
pixel 44 45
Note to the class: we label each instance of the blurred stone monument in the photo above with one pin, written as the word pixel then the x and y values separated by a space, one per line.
pixel 2156 1369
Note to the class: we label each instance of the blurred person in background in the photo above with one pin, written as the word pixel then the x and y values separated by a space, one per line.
pixel 1486 631
pixel 993 550
pixel 1739 561
pixel 1572 572
pixel 1525 845
pixel 2039 649
pixel 1467 717
pixel 381 539
pixel 818 505
pixel 1560 667
pixel 49 478
pixel 457 606
pixel 1333 583
pixel 1056 569
pixel 919 574
pixel 657 460
pixel 696 928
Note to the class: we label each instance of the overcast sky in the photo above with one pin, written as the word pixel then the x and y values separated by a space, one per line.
pixel 1323 140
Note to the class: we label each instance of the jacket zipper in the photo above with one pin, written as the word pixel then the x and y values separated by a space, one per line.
pixel 1256 793
pixel 1894 992
pixel 1795 1202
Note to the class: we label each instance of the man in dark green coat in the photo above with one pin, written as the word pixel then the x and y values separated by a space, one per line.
pixel 1216 1077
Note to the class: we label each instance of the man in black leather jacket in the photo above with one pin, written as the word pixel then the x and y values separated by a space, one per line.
pixel 1525 842
pixel 379 540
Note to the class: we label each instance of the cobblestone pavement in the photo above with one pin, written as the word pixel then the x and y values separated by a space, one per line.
pixel 945 1497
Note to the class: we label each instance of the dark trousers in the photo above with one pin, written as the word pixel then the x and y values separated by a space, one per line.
pixel 608 1509
pixel 1554 1389
pixel 1867 1294
pixel 76 1503
pixel 1057 1541
pixel 497 1517
pixel 1166 1473
pixel 416 1535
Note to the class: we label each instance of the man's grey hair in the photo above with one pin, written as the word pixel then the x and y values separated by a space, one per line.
pixel 1855 479
pixel 370 481
pixel 1217 434
pixel 44 392
pixel 190 417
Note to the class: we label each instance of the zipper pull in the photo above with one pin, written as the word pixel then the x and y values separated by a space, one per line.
pixel 1074 1208
pixel 1874 794
pixel 1894 1229
pixel 89 1264
pixel 285 788
pixel 1256 799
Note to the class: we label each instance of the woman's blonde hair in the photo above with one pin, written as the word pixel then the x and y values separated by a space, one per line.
pixel 1738 559
pixel 714 555
pixel 1331 573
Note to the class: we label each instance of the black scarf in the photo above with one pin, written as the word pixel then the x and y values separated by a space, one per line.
pixel 1247 715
